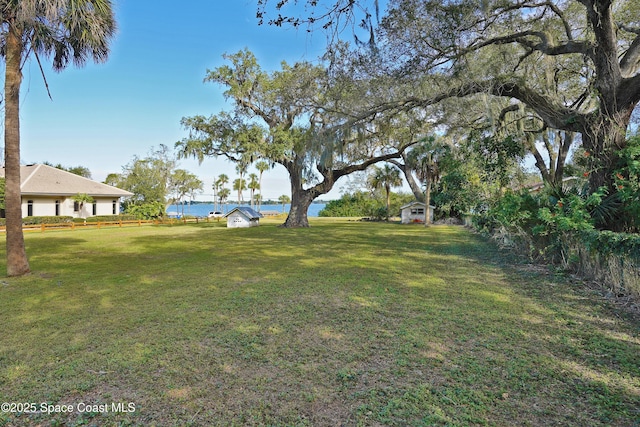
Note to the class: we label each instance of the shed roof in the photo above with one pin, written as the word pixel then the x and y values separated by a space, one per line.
pixel 44 180
pixel 245 211
pixel 415 203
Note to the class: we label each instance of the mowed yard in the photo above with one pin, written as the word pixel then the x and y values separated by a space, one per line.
pixel 345 323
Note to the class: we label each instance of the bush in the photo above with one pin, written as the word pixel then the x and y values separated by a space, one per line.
pixel 357 204
pixel 363 204
pixel 627 181
pixel 150 210
pixel 557 226
pixel 109 218
pixel 34 220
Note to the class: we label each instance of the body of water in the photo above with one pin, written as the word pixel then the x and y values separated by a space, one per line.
pixel 203 209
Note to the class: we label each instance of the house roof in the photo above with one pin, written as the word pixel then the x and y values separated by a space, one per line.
pixel 567 180
pixel 415 203
pixel 43 180
pixel 245 211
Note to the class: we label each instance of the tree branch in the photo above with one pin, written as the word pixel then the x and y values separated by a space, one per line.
pixel 628 93
pixel 630 62
pixel 545 44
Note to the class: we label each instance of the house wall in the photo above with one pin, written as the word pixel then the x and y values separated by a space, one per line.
pixel 238 220
pixel 46 206
pixel 407 217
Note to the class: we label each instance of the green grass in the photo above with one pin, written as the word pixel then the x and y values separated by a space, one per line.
pixel 344 323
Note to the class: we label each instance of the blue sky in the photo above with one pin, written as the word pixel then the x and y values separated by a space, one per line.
pixel 102 115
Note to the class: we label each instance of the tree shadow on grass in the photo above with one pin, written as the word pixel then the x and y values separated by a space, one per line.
pixel 336 324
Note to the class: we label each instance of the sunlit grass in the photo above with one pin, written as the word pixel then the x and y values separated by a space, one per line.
pixel 344 323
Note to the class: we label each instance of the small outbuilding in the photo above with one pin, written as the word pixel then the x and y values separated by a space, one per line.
pixel 414 212
pixel 243 217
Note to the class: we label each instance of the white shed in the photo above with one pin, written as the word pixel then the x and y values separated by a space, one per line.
pixel 242 217
pixel 414 212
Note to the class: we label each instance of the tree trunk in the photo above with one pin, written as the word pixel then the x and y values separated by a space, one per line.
pixel 300 202
pixel 427 203
pixel 17 263
pixel 415 188
pixel 566 140
pixel 602 140
pixel 388 191
pixel 301 199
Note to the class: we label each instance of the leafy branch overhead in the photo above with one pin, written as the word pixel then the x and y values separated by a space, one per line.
pixel 574 65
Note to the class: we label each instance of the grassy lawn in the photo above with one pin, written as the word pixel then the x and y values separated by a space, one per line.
pixel 344 323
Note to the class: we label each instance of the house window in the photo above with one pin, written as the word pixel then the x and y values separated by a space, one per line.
pixel 417 211
pixel 29 207
pixel 57 207
pixel 113 209
pixel 95 208
pixel 76 206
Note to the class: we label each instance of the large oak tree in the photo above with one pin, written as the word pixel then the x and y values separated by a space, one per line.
pixel 291 117
pixel 589 49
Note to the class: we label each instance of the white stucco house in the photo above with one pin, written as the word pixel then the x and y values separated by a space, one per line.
pixel 48 191
pixel 414 212
pixel 242 217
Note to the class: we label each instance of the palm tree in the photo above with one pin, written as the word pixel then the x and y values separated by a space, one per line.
pixel 262 167
pixel 386 177
pixel 253 186
pixel 67 30
pixel 223 195
pixel 239 185
pixel 184 183
pixel 284 199
pixel 81 199
pixel 219 185
pixel 426 158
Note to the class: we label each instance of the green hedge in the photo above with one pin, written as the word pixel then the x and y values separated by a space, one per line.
pixel 611 243
pixel 33 220
pixel 106 218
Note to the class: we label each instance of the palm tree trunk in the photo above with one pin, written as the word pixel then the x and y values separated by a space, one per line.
pixel 17 263
pixel 260 187
pixel 427 198
pixel 388 191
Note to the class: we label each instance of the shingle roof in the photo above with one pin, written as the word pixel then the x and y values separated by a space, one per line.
pixel 246 211
pixel 49 181
pixel 415 203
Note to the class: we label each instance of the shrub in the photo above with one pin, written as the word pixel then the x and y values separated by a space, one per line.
pixel 33 220
pixel 363 204
pixel 627 181
pixel 358 203
pixel 558 226
pixel 150 210
pixel 107 218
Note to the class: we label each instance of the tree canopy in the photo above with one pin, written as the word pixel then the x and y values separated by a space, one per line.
pixel 571 66
pixel 293 117
pixel 567 71
pixel 149 179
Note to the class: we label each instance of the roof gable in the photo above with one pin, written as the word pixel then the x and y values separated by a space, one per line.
pixel 246 211
pixel 416 204
pixel 45 180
